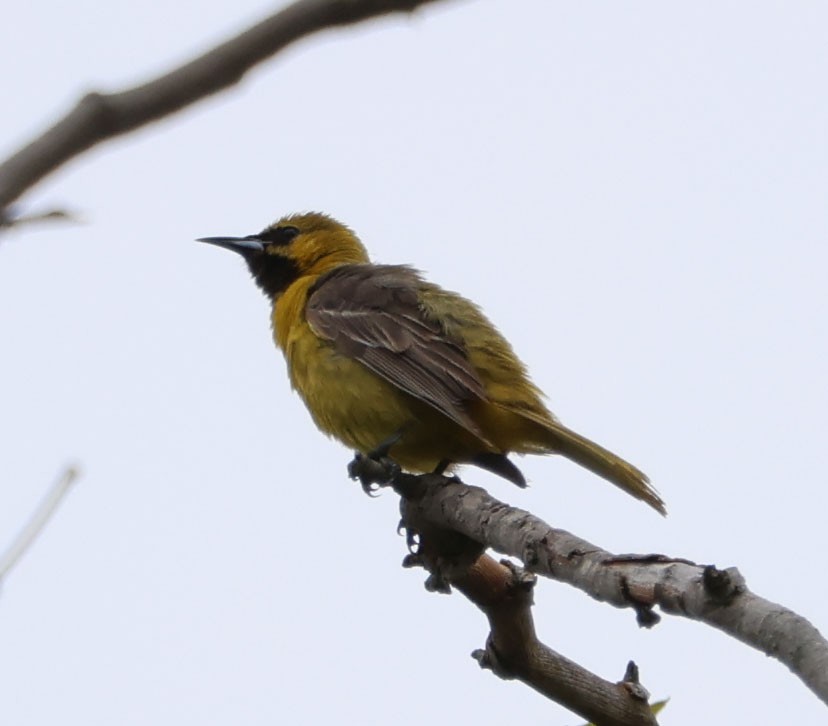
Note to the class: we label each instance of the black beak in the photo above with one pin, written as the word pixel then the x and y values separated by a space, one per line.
pixel 242 245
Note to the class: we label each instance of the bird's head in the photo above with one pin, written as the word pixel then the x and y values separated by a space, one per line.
pixel 295 246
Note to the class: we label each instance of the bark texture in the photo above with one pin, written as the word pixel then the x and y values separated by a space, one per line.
pixel 677 586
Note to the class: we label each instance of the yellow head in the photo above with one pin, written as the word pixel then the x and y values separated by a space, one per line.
pixel 295 246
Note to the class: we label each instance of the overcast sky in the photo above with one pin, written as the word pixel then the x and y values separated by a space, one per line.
pixel 634 192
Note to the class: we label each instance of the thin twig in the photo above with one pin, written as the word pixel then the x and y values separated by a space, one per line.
pixel 9 219
pixel 37 522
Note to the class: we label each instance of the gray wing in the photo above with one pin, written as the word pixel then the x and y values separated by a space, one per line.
pixel 372 313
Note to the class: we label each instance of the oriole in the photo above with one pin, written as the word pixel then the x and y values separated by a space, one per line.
pixel 375 351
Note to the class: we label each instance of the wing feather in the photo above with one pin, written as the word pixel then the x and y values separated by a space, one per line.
pixel 372 313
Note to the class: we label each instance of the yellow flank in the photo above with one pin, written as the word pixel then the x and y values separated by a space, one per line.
pixel 375 350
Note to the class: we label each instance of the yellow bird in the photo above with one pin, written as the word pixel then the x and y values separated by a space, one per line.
pixel 378 354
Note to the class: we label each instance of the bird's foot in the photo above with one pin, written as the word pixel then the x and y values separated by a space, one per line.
pixel 373 474
pixel 375 469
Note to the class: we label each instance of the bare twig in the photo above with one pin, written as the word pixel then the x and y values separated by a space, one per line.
pixel 677 586
pixel 37 522
pixel 8 219
pixel 513 651
pixel 98 116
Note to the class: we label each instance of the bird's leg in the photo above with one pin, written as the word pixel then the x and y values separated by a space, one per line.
pixel 380 452
pixel 441 467
pixel 375 468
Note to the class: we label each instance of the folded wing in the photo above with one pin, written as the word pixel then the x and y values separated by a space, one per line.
pixel 372 313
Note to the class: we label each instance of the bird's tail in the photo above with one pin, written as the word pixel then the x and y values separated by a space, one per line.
pixel 605 464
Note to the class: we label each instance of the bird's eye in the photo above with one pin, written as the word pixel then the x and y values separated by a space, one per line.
pixel 279 235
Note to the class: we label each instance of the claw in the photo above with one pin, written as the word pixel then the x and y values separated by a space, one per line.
pixel 370 488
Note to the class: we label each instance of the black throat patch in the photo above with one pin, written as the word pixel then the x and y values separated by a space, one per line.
pixel 272 273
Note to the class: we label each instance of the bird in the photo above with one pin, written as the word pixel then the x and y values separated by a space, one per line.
pixel 383 357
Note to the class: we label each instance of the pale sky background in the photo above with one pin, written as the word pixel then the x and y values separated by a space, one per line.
pixel 634 192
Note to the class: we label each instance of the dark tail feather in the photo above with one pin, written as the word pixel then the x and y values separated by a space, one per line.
pixel 605 464
pixel 499 464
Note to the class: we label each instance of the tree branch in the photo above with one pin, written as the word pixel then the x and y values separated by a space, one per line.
pixel 513 651
pixel 98 116
pixel 680 587
pixel 37 522
pixel 504 593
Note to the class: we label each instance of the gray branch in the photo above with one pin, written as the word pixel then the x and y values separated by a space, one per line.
pixel 504 593
pixel 39 519
pixel 98 116
pixel 679 587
